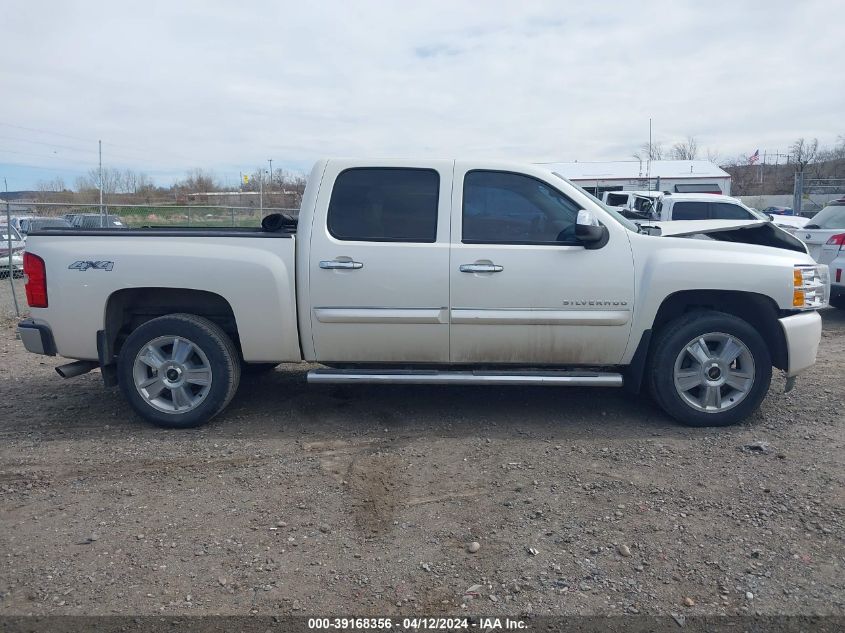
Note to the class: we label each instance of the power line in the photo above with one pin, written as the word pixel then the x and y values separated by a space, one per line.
pixel 8 151
pixel 34 129
pixel 70 147
pixel 146 152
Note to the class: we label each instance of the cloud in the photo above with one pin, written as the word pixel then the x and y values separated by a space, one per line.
pixel 225 85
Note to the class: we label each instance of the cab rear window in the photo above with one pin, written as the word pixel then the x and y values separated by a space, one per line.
pixel 385 205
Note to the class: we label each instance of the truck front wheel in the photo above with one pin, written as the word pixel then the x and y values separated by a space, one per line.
pixel 178 370
pixel 709 368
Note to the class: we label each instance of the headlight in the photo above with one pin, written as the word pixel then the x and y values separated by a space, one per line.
pixel 811 286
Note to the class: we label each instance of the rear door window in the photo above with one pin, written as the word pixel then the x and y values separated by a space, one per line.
pixel 689 211
pixel 728 211
pixel 617 199
pixel 385 204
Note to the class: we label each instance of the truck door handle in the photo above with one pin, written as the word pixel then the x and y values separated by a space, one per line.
pixel 481 268
pixel 333 264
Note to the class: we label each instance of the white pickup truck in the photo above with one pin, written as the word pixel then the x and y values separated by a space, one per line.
pixel 432 271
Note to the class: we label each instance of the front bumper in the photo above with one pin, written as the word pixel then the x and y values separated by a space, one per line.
pixel 802 332
pixel 37 337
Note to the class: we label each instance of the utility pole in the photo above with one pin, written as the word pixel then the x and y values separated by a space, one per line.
pixel 102 219
pixel 9 238
pixel 261 193
pixel 270 160
pixel 648 163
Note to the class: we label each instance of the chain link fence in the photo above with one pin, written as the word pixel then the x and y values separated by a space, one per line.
pixel 25 216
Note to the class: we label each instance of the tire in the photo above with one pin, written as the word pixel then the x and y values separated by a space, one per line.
pixel 838 302
pixel 724 395
pixel 197 375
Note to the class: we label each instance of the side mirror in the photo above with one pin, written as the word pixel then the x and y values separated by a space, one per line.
pixel 771 217
pixel 589 232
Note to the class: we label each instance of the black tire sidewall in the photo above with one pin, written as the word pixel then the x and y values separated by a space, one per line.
pixel 678 334
pixel 216 350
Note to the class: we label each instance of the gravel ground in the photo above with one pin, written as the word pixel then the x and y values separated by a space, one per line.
pixel 318 499
pixel 7 303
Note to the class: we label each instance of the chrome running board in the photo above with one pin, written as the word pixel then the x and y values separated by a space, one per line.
pixel 432 377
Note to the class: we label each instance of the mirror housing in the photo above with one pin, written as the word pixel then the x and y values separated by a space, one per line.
pixel 589 231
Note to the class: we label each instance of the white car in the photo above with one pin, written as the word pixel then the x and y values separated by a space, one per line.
pixel 825 224
pixel 17 246
pixel 432 272
pixel 636 204
pixel 17 219
pixel 708 206
pixel 703 206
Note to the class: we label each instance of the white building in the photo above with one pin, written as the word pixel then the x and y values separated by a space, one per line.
pixel 674 176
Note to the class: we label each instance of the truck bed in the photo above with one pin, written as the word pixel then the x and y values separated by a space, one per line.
pixel 90 272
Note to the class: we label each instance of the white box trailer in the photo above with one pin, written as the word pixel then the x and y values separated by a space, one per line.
pixel 674 176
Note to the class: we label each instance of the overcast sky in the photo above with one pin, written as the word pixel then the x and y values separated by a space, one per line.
pixel 173 85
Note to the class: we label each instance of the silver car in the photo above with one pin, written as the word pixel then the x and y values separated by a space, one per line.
pixel 833 254
pixel 825 224
pixel 17 245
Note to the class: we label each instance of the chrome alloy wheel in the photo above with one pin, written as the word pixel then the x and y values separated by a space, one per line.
pixel 172 374
pixel 714 372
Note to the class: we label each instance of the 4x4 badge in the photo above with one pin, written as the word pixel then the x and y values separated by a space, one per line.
pixel 85 265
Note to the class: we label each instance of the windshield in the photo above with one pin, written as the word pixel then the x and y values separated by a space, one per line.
pixel 4 234
pixel 612 211
pixel 757 214
pixel 832 217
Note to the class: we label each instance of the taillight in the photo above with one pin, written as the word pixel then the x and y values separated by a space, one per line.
pixel 837 240
pixel 36 280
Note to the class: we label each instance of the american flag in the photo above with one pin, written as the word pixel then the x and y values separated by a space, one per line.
pixel 752 160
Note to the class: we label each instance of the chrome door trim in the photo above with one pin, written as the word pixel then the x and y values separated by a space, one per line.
pixel 534 316
pixel 379 314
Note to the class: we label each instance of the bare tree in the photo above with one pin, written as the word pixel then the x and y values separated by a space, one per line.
pixel 803 152
pixel 52 186
pixel 649 152
pixel 128 181
pixel 713 155
pixel 199 181
pixel 51 190
pixel 685 150
pixel 143 183
pixel 85 184
pixel 91 181
pixel 837 152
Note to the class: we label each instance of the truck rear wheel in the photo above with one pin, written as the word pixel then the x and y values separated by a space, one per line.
pixel 179 370
pixel 709 369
